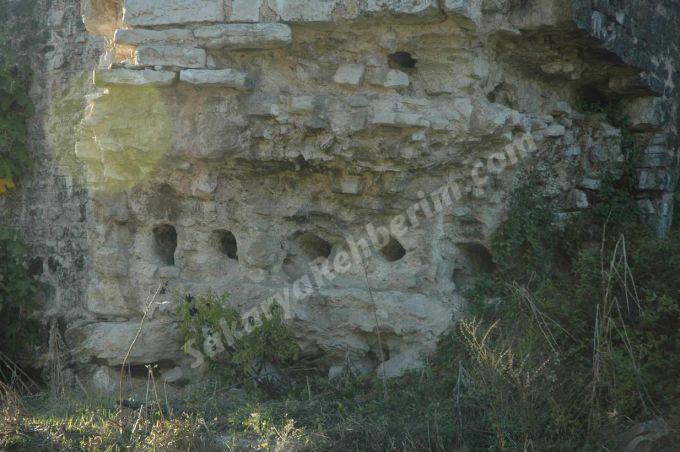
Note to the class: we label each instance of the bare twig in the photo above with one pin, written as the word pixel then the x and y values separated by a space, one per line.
pixel 150 300
pixel 381 354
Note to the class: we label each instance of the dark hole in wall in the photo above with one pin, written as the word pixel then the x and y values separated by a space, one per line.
pixel 227 244
pixel 140 371
pixel 53 264
pixel 293 267
pixel 314 246
pixel 35 267
pixel 503 94
pixel 401 60
pixel 379 351
pixel 594 100
pixel 393 251
pixel 165 243
pixel 478 257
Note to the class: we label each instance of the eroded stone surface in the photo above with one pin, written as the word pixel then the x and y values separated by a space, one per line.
pixel 137 36
pixel 244 36
pixel 346 126
pixel 110 342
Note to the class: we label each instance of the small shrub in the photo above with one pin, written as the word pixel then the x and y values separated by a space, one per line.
pixel 17 295
pixel 15 108
pixel 252 345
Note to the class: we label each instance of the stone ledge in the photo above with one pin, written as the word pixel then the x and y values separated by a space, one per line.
pixel 167 55
pixel 158 341
pixel 144 77
pixel 244 36
pixel 230 78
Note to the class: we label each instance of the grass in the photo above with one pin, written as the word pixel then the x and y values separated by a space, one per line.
pixel 547 368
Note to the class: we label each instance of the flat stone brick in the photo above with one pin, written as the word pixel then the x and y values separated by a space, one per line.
pixel 230 78
pixel 187 57
pixel 144 77
pixel 244 36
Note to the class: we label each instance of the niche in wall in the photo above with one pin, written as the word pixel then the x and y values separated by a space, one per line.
pixel 393 251
pixel 314 246
pixel 165 243
pixel 226 242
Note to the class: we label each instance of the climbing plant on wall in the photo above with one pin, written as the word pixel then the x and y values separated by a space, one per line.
pixel 15 107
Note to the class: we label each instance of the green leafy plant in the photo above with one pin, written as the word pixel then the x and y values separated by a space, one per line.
pixel 204 311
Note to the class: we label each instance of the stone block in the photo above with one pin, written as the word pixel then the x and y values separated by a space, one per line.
pixel 166 55
pixel 420 8
pixel 646 113
pixel 347 185
pixel 555 131
pixel 244 36
pixel 577 200
pixel 105 298
pixel 139 36
pixel 590 184
pixel 402 112
pixel 468 9
pixel 396 79
pixel 301 104
pixel 656 156
pixel 98 16
pixel 144 77
pixel 349 74
pixel 654 179
pixel 167 12
pixel 304 10
pixel 263 104
pixel 245 10
pixel 358 101
pixel 230 78
pixel 399 365
pixel 168 272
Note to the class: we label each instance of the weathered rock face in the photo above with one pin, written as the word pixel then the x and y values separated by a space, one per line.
pixel 289 126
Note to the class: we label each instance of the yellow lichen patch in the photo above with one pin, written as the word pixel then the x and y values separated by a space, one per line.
pixel 6 184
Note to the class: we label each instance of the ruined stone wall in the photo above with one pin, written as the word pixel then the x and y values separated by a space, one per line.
pixel 49 208
pixel 229 145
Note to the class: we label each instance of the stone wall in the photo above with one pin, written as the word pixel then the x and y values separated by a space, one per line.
pixel 229 144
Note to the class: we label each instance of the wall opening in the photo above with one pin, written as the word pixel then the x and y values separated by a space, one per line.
pixel 314 246
pixel 401 60
pixel 165 243
pixel 393 251
pixel 477 257
pixel 594 100
pixel 226 241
